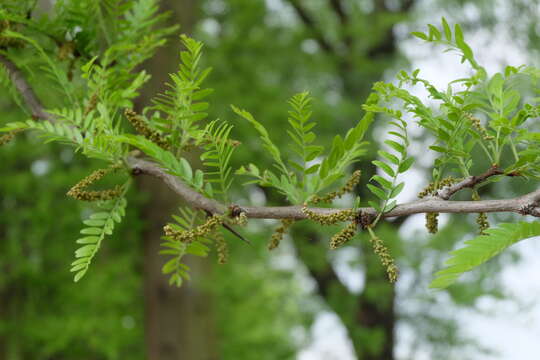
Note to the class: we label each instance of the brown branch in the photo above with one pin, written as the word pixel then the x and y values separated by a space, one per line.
pixel 525 205
pixel 470 182
pixel 24 89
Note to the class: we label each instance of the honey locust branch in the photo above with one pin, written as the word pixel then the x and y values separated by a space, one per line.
pixel 526 205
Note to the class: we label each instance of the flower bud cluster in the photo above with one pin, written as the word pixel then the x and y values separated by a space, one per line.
pixel 481 219
pixel 188 236
pixel 432 222
pixel 339 216
pixel 343 236
pixel 277 236
pixel 78 192
pixel 9 41
pixel 92 102
pixel 432 188
pixel 142 128
pixel 349 187
pixel 4 139
pixel 222 248
pixel 386 259
pixel 240 219
pixel 478 126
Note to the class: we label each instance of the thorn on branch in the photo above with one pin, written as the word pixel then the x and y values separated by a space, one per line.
pixel 530 209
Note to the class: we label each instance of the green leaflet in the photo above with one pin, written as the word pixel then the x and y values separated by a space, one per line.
pixel 57 131
pixel 267 142
pixel 219 149
pixel 482 248
pixel 183 101
pixel 98 225
pixel 392 164
pixel 302 138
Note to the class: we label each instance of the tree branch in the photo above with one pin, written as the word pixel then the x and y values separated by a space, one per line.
pixel 526 205
pixel 26 91
pixel 470 182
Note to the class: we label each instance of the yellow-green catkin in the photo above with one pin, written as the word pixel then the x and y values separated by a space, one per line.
pixel 432 188
pixel 277 236
pixel 4 139
pixel 344 235
pixel 432 222
pixel 386 259
pixel 478 126
pixel 432 219
pixel 9 41
pixel 78 192
pixel 222 248
pixel 91 105
pixel 142 128
pixel 349 187
pixel 188 236
pixel 481 219
pixel 331 219
pixel 241 219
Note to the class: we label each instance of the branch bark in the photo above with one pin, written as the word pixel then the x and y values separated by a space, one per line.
pixel 527 204
pixel 469 182
pixel 24 89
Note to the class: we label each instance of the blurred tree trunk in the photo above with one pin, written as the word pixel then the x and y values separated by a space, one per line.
pixel 179 322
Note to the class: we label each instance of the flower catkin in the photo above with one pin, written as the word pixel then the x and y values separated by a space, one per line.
pixel 481 219
pixel 432 188
pixel 331 219
pixel 241 219
pixel 142 128
pixel 343 236
pixel 349 187
pixel 432 222
pixel 78 192
pixel 478 126
pixel 277 236
pixel 4 139
pixel 188 236
pixel 432 219
pixel 222 248
pixel 386 259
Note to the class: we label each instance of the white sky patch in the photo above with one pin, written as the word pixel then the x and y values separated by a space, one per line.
pixel 40 167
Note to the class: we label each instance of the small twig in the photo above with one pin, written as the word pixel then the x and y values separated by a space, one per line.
pixel 25 90
pixel 470 182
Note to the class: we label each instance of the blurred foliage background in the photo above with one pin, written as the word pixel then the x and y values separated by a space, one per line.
pixel 261 305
